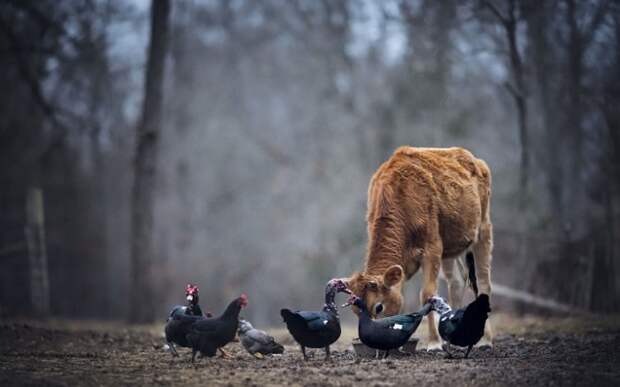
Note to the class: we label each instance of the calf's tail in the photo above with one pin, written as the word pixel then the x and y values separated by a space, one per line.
pixel 471 271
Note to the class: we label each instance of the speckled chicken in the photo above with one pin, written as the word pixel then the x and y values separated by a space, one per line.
pixel 257 342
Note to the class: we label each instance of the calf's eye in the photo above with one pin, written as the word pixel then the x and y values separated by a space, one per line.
pixel 371 285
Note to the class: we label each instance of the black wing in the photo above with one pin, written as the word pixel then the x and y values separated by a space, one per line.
pixel 206 326
pixel 315 320
pixel 449 323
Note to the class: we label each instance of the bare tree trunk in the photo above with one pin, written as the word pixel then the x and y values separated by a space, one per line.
pixel 142 249
pixel 519 94
pixel 37 263
pixel 538 18
pixel 575 75
pixel 516 87
pixel 608 106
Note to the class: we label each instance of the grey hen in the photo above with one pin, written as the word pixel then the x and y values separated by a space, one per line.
pixel 257 342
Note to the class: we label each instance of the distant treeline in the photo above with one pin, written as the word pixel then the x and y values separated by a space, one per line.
pixel 275 115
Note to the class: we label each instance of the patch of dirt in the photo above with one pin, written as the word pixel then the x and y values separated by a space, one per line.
pixel 527 351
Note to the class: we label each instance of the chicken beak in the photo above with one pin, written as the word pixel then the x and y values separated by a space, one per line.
pixel 349 301
pixel 190 298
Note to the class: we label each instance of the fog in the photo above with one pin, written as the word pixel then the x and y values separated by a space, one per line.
pixel 275 115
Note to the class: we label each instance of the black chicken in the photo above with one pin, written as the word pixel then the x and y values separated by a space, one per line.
pixel 389 332
pixel 317 329
pixel 210 334
pixel 462 327
pixel 192 297
pixel 177 327
pixel 207 335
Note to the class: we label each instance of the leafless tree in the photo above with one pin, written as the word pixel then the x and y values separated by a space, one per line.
pixel 507 17
pixel 145 172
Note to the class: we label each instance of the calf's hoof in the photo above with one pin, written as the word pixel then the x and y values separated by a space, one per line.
pixel 484 343
pixel 434 346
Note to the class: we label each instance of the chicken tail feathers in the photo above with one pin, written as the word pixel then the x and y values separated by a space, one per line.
pixel 477 313
pixel 287 315
pixel 295 321
pixel 481 303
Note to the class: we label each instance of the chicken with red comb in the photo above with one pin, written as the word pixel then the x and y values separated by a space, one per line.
pixel 192 297
pixel 210 334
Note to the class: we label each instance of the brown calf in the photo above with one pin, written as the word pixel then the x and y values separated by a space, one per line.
pixel 426 207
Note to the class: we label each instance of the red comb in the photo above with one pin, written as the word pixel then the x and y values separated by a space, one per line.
pixel 191 289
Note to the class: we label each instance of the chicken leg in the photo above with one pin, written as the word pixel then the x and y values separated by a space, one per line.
pixel 467 353
pixel 225 355
pixel 446 348
pixel 173 350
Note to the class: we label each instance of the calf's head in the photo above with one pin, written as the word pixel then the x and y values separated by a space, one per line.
pixel 381 293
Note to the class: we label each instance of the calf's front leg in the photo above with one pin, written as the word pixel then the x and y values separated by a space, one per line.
pixel 430 270
pixel 456 288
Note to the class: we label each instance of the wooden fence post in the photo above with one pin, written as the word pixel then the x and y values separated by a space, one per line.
pixel 37 254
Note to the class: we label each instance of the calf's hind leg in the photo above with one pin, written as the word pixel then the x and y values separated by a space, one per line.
pixel 482 260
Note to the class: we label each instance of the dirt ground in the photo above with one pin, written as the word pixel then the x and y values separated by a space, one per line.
pixel 527 351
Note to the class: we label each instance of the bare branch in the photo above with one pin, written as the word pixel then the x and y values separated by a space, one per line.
pixel 495 11
pixel 513 90
pixel 35 88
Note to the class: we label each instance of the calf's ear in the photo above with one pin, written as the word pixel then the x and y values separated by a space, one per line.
pixel 393 275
